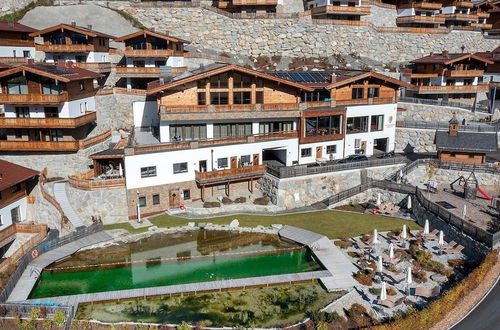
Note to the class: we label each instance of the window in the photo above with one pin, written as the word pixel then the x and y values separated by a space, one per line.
pixel 78 38
pixel 14 53
pixel 242 81
pixel 373 92
pixel 219 98
pixel 357 93
pixel 377 123
pixel 80 59
pixel 242 98
pixel 22 112
pixel 324 125
pixel 15 214
pixel 357 125
pixel 17 85
pixel 245 159
pixel 156 199
pixel 139 64
pixel 26 54
pixel 139 43
pixel 180 167
pixel 275 126
pixel 160 63
pixel 259 97
pixel 222 162
pixel 15 188
pixel 186 194
pixel 147 172
pixel 306 152
pixel 49 86
pixel 142 201
pixel 219 81
pixel 332 149
pixel 188 132
pixel 51 112
pixel 18 133
pixel 82 86
pixel 232 130
pixel 1 221
pixel 202 98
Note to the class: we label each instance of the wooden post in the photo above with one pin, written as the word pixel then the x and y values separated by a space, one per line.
pixel 207 92
pixel 230 85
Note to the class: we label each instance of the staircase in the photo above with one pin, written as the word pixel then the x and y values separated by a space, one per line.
pixel 62 199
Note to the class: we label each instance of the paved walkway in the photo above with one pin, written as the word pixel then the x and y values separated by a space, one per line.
pixel 184 288
pixel 328 255
pixel 62 199
pixel 32 272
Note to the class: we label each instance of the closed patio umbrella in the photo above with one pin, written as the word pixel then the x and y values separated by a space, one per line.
pixel 375 236
pixel 464 211
pixel 378 200
pixel 409 204
pixel 404 234
pixel 409 280
pixel 426 227
pixel 383 291
pixel 120 170
pixel 441 238
pixel 380 266
pixel 391 251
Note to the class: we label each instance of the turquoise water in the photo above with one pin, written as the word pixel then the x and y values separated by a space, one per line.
pixel 169 273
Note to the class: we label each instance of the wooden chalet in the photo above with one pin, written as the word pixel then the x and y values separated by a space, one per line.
pixel 247 6
pixel 47 107
pixel 149 55
pixel 481 10
pixel 494 20
pixel 351 10
pixel 16 44
pixel 421 14
pixel 492 74
pixel 460 14
pixel 87 48
pixel 466 147
pixel 447 76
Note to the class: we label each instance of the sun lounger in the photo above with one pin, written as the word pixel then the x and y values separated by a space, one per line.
pixel 432 235
pixel 456 249
pixel 391 276
pixel 427 292
pixel 450 245
pixel 362 245
pixel 391 302
pixel 392 261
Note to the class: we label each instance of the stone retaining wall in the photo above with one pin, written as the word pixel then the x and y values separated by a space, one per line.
pixel 303 191
pixel 427 112
pixel 414 140
pixel 420 175
pixel 114 111
pixel 370 196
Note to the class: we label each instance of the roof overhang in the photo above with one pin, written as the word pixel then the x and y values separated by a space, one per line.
pixel 63 27
pixel 369 75
pixel 145 33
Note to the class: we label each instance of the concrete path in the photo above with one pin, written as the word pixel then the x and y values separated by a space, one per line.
pixel 327 254
pixel 73 300
pixel 62 199
pixel 29 277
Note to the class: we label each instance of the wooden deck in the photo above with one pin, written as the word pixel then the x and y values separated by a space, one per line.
pixel 340 268
pixel 32 272
pixel 74 300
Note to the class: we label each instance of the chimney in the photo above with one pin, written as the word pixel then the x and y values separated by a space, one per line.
pixel 432 54
pixel 73 22
pixel 89 27
pixel 453 126
pixel 445 53
pixel 152 29
pixel 333 78
pixel 31 61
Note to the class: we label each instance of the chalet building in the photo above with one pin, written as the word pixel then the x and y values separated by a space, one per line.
pixel 420 14
pixel 16 44
pixel 247 6
pixel 459 14
pixel 149 55
pixel 87 48
pixel 494 20
pixel 492 74
pixel 446 76
pixel 47 107
pixel 16 182
pixel 481 10
pixel 221 124
pixel 465 147
pixel 348 10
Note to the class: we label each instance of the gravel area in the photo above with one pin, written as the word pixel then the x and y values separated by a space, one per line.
pixel 472 299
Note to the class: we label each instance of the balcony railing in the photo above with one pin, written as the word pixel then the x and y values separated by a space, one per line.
pixel 17 42
pixel 65 48
pixel 422 5
pixel 230 107
pixel 14 60
pixel 33 98
pixel 464 73
pixel 6 122
pixel 449 89
pixel 255 2
pixel 87 181
pixel 151 52
pixel 483 26
pixel 346 10
pixel 463 4
pixel 420 19
pixel 374 100
pixel 459 17
pixel 96 67
pixel 232 174
pixel 482 14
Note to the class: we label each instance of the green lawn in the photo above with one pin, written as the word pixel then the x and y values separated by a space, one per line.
pixel 332 223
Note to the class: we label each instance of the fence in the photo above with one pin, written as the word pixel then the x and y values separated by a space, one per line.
pixel 301 170
pixel 52 241
pixel 23 310
pixel 443 103
pixel 420 124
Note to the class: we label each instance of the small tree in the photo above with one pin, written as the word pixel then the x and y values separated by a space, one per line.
pixel 59 318
pixel 184 326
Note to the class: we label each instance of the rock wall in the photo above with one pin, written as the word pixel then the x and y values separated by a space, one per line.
pixel 114 111
pixel 371 196
pixel 381 16
pixel 415 140
pixel 304 191
pixel 436 113
pixel 110 205
pixel 10 6
pixel 420 175
pixel 44 212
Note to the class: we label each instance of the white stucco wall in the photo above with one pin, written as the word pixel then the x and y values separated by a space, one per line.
pixel 11 51
pixel 5 212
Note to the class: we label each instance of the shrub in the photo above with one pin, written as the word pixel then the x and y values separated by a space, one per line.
pixel 59 318
pixel 419 276
pixel 226 201
pixel 240 200
pixel 3 311
pixel 448 272
pixel 343 244
pixel 391 291
pixel 332 317
pixel 316 315
pixel 354 254
pixel 454 263
pixel 262 201
pixel 184 326
pixel 365 276
pixel 43 312
pixel 375 291
pixel 209 205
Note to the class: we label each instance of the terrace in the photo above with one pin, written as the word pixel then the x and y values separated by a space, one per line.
pixel 65 48
pixel 341 10
pixel 89 117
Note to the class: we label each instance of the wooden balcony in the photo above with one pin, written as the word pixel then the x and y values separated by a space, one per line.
pixel 464 73
pixel 450 89
pixel 230 107
pixel 222 4
pixel 459 17
pixel 33 98
pixel 17 42
pixel 255 2
pixel 102 67
pixel 230 175
pixel 422 75
pixel 14 60
pixel 375 100
pixel 87 181
pixel 341 10
pixel 424 5
pixel 482 14
pixel 89 117
pixel 65 48
pixel 484 26
pixel 420 19
pixel 144 72
pixel 463 4
pixel 151 53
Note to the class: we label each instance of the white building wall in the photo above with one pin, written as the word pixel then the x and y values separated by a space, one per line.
pixel 77 108
pixel 339 154
pixel 146 114
pixel 11 51
pixel 388 110
pixel 448 10
pixel 164 161
pixel 406 12
pixel 149 62
pixel 5 212
pixel 91 57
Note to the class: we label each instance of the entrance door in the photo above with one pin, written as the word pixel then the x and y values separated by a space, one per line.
pixel 363 146
pixel 319 152
pixel 203 165
pixel 255 159
pixel 174 199
pixel 234 162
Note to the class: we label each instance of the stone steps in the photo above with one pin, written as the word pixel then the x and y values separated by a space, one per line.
pixel 62 199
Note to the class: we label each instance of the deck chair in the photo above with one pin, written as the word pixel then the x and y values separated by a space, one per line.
pixel 391 302
pixel 362 245
pixel 392 261
pixel 432 235
pixel 392 277
pixel 427 292
pixel 450 245
pixel 456 249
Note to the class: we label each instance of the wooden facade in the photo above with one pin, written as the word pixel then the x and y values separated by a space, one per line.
pixel 462 157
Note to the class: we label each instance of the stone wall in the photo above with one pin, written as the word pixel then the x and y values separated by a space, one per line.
pixel 110 205
pixel 114 111
pixel 381 16
pixel 436 113
pixel 10 6
pixel 304 191
pixel 414 140
pixel 420 175
pixel 44 212
pixel 370 196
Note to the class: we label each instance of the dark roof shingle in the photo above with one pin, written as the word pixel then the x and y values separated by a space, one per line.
pixel 467 141
pixel 11 174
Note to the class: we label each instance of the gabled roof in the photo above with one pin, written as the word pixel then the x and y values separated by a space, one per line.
pixel 448 58
pixel 60 72
pixel 11 174
pixel 217 69
pixel 16 27
pixel 345 79
pixel 74 28
pixel 467 141
pixel 493 56
pixel 145 33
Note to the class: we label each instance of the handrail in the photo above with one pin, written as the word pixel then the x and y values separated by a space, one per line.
pixel 48 122
pixel 83 181
pixel 442 103
pixel 93 140
pixel 228 173
pixel 420 124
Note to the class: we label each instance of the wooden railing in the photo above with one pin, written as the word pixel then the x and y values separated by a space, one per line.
pixel 341 9
pixel 127 69
pixel 42 179
pixel 34 98
pixel 86 181
pixel 418 18
pixel 129 91
pixel 48 122
pixel 17 42
pixel 375 100
pixel 280 106
pixel 459 16
pixel 255 2
pixel 230 107
pixel 230 174
pixel 65 48
pixel 464 4
pixel 464 73
pixel 65 146
pixel 151 52
pixel 94 66
pixel 14 60
pixel 466 88
pixel 90 141
pixel 483 26
pixel 482 14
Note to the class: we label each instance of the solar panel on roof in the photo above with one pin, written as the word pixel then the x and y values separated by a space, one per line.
pixel 304 77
